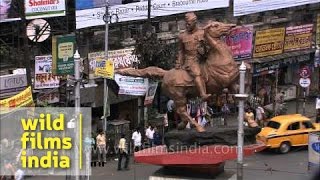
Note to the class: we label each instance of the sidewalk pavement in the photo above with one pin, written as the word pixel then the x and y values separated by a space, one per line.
pixel 310 110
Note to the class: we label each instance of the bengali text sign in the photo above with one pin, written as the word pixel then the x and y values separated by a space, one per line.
pixel 269 42
pixel 298 37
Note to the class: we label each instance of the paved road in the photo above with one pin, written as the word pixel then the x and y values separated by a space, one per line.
pixel 265 165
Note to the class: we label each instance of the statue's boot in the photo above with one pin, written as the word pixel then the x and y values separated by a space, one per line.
pixel 201 88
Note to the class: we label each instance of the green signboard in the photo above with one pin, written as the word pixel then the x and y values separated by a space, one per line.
pixel 63 48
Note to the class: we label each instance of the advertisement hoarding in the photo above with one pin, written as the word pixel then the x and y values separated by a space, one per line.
pixel 23 99
pixel 34 9
pixel 139 10
pixel 240 42
pixel 42 9
pixel 105 69
pixel 135 86
pixel 314 150
pixel 122 58
pixel 12 82
pixel 244 7
pixel 269 42
pixel 298 37
pixel 43 73
pixel 152 89
pixel 63 48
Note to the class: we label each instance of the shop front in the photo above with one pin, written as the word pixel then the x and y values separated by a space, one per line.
pixel 280 72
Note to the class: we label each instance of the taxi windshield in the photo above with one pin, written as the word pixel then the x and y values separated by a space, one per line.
pixel 273 124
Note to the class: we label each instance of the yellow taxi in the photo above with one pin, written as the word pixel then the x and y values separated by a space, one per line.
pixel 285 131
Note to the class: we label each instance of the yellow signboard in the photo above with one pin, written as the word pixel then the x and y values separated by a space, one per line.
pixel 105 69
pixel 298 37
pixel 318 30
pixel 269 42
pixel 23 99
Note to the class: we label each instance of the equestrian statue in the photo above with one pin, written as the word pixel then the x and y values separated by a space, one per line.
pixel 204 66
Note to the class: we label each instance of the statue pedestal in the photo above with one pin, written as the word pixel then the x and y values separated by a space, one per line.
pixel 204 159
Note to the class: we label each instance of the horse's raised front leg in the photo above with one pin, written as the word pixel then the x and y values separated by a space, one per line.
pixel 181 109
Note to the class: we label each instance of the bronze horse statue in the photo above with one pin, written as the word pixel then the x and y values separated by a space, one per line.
pixel 219 71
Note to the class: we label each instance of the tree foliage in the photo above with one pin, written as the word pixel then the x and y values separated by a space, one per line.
pixel 152 51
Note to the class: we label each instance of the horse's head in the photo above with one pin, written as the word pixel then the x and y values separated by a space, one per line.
pixel 217 29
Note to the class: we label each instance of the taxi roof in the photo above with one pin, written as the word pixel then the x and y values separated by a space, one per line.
pixel 289 118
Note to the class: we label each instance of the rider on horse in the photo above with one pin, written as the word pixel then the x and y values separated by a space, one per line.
pixel 189 51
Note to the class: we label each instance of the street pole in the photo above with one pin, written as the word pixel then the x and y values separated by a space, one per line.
pixel 77 111
pixel 26 49
pixel 304 101
pixel 105 85
pixel 241 96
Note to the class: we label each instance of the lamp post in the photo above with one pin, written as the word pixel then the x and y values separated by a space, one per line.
pixel 241 96
pixel 105 85
pixel 77 111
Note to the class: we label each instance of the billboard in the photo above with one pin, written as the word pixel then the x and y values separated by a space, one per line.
pixel 42 9
pixel 63 48
pixel 87 15
pixel 240 42
pixel 298 37
pixel 34 9
pixel 269 42
pixel 43 73
pixel 122 58
pixel 23 99
pixel 244 7
pixel 135 86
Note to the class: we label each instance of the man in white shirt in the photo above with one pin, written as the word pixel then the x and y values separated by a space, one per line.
pixel 149 135
pixel 101 145
pixel 136 137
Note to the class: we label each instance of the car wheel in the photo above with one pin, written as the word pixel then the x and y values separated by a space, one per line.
pixel 284 147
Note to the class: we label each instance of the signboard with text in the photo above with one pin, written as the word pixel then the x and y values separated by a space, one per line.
pixel 122 58
pixel 244 7
pixel 298 37
pixel 42 9
pixel 105 69
pixel 90 12
pixel 34 9
pixel 135 86
pixel 152 89
pixel 43 73
pixel 240 42
pixel 269 42
pixel 12 82
pixel 63 48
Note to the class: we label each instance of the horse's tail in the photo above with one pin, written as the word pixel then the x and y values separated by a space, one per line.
pixel 149 72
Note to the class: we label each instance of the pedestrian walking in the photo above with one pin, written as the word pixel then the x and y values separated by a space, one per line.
pixel 123 152
pixel 101 145
pixel 149 135
pixel 136 137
